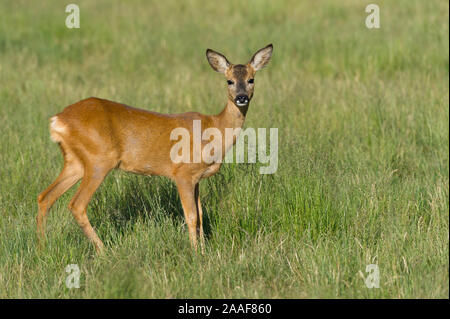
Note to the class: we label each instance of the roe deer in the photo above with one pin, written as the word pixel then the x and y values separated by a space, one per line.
pixel 97 135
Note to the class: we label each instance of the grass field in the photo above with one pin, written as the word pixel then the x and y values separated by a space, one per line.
pixel 362 117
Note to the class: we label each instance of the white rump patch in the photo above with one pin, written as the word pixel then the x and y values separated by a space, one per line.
pixel 56 129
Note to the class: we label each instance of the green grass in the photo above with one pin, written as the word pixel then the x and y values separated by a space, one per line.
pixel 363 149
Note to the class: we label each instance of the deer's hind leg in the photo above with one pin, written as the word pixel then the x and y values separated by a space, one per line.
pixel 93 176
pixel 70 174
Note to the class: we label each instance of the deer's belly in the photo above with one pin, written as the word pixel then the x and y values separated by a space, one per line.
pixel 145 166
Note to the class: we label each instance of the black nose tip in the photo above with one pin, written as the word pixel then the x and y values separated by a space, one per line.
pixel 241 99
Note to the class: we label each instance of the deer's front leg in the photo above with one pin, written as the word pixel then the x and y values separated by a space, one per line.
pixel 186 190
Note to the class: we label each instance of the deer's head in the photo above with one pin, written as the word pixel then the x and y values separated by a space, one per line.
pixel 240 77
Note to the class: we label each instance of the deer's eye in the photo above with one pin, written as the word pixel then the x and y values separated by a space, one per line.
pixel 230 82
pixel 251 81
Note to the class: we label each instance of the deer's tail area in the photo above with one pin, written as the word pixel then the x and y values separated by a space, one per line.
pixel 57 129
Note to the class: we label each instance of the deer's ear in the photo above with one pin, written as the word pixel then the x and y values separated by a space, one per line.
pixel 217 61
pixel 261 58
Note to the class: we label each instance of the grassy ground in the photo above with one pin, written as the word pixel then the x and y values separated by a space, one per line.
pixel 363 149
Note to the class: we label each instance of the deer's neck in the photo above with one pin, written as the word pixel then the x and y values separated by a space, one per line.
pixel 231 116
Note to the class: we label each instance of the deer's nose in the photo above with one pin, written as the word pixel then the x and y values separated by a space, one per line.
pixel 241 99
